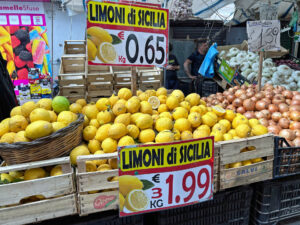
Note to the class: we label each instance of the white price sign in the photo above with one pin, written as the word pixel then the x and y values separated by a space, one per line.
pixel 263 35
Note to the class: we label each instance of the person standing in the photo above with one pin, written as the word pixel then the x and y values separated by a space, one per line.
pixel 194 61
pixel 171 73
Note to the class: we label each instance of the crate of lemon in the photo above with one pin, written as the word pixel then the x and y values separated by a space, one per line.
pixel 40 131
pixel 37 191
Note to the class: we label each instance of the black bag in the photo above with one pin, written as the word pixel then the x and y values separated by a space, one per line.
pixel 7 93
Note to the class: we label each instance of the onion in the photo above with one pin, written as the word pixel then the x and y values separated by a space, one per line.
pixel 260 105
pixel 215 102
pixel 287 94
pixel 295 116
pixel 260 115
pixel 269 95
pixel 276 116
pixel 230 98
pixel 209 99
pixel 220 98
pixel 225 93
pixel 296 96
pixel 239 92
pixel 244 87
pixel 249 114
pixel 231 90
pixel 294 125
pixel 272 108
pixel 249 105
pixel 237 102
pixel 288 101
pixel 249 94
pixel 241 110
pixel 296 141
pixel 278 99
pixel 231 107
pixel 243 97
pixel 288 134
pixel 268 101
pixel 259 95
pixel 283 107
pixel 284 123
pixel 264 121
pixel 274 129
pixel 297 132
pixel 254 99
pixel 271 122
pixel 286 115
pixel 204 99
pixel 294 108
pixel 225 103
pixel 295 102
pixel 267 113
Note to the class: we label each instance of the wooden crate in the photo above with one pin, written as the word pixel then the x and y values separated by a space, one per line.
pixel 59 193
pixel 230 152
pixel 73 64
pixel 96 181
pixel 75 47
pixel 122 77
pixel 149 77
pixel 216 167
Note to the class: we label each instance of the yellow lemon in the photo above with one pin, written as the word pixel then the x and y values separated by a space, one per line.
pixel 193 99
pixel 102 104
pixel 90 166
pixel 177 134
pixel 218 136
pixel 162 108
pixel 66 117
pixel 122 202
pixel 204 127
pixel 147 135
pixel 128 183
pixel 107 53
pixel 246 162
pixel 90 111
pixel 163 124
pixel 186 105
pixel 103 167
pixel 180 112
pixel 45 103
pixel 94 145
pixel 238 120
pixel 109 145
pixel 58 125
pixel 133 105
pixel 20 137
pixel 16 174
pixel 203 109
pixel 259 130
pixel 134 117
pixel 146 107
pixel 196 109
pixel 99 162
pixel 209 120
pixel 218 110
pixel 119 108
pixel 219 127
pixel 123 118
pixel 91 50
pixel 4 126
pixel 34 173
pixel 16 111
pixel 124 93
pixel 113 163
pixel 195 119
pixel 178 94
pixel 226 124
pixel 161 91
pixel 81 102
pixel 40 114
pixel 104 117
pixel 126 140
pixel 172 102
pixel 227 137
pixel 113 99
pixel 232 132
pixel 166 115
pixel 186 135
pixel 144 96
pixel 253 122
pixel 133 131
pixel 154 102
pixel 18 123
pixel 144 121
pixel 229 115
pixel 200 133
pixel 162 99
pixel 102 132
pixel 151 92
pixel 89 133
pixel 95 123
pixel 53 116
pixel 76 108
pixel 117 130
pixel 79 150
pixel 235 165
pixel 38 129
pixel 56 171
pixel 182 124
pixel 243 130
pixel 164 137
pixel 8 138
pixel 27 108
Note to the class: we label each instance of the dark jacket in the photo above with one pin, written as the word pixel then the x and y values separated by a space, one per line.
pixel 7 93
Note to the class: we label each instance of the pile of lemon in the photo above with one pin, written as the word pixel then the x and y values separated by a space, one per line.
pixel 154 117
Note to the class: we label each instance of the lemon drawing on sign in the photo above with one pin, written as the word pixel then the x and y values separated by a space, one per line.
pixel 107 53
pixel 136 200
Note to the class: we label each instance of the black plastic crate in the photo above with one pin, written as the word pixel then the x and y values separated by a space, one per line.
pixel 230 207
pixel 209 87
pixel 286 159
pixel 276 200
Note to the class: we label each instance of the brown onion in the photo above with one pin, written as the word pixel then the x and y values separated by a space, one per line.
pixel 295 116
pixel 268 101
pixel 288 101
pixel 225 93
pixel 283 107
pixel 220 98
pixel 244 87
pixel 288 134
pixel 231 107
pixel 296 141
pixel 287 94
pixel 243 97
pixel 284 123
pixel 254 99
pixel 260 115
pixel 225 103
pixel 230 98
pixel 237 102
pixel 259 95
pixel 276 116
pixel 264 121
pixel 249 105
pixel 274 129
pixel 249 114
pixel 267 113
pixel 209 99
pixel 294 108
pixel 271 122
pixel 296 96
pixel 294 125
pixel 260 105
pixel 295 102
pixel 297 132
pixel 272 108
pixel 286 115
pixel 231 90
pixel 204 99
pixel 238 93
pixel 278 99
pixel 215 102
pixel 241 110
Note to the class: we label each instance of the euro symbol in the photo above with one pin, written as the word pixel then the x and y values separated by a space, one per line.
pixel 156 178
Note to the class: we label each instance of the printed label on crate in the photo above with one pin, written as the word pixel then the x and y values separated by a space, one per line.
pixel 162 176
pixel 127 34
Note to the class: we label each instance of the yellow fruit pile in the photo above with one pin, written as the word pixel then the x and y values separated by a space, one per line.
pixel 32 121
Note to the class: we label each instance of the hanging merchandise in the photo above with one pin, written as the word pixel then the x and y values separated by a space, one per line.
pixel 182 9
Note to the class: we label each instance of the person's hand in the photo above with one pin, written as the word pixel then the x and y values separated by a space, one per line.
pixel 193 77
pixel 170 67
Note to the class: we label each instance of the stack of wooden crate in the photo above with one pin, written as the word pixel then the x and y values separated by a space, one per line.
pixel 149 77
pixel 72 72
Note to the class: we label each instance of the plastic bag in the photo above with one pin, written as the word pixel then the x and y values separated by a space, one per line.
pixel 207 66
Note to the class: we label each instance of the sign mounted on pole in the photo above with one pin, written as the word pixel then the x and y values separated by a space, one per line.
pixel 125 34
pixel 162 176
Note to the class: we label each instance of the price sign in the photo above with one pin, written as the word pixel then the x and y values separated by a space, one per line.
pixel 162 176
pixel 126 34
pixel 263 35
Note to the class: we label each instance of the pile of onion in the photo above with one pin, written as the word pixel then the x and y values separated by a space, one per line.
pixel 275 107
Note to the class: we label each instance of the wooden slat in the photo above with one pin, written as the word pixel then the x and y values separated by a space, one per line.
pixel 101 78
pixel 69 91
pixel 99 69
pixel 100 93
pixel 123 79
pixel 63 83
pixel 39 211
pixel 100 87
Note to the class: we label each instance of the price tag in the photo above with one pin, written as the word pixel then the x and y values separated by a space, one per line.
pixel 127 34
pixel 263 35
pixel 165 176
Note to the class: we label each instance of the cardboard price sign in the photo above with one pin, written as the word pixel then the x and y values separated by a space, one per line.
pixel 162 176
pixel 263 35
pixel 123 34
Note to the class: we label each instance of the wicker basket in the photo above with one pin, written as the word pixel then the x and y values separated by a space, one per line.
pixel 55 145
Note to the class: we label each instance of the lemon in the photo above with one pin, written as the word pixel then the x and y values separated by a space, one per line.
pixel 113 99
pixel 193 99
pixel 99 162
pixel 102 132
pixel 38 129
pixel 186 105
pixel 53 116
pixel 90 111
pixel 133 131
pixel 218 110
pixel 133 105
pixel 259 130
pixel 227 137
pixel 226 124
pixel 164 137
pixel 79 150
pixel 166 115
pixel 182 124
pixel 204 127
pixel 94 123
pixel 238 120
pixel 18 123
pixel 4 126
pixel 186 135
pixel 109 145
pixel 56 171
pixel 94 145
pixel 232 132
pixel 104 117
pixel 16 174
pixel 119 108
pixel 154 102
pixel 146 107
pixel 163 124
pixel 147 135
pixel 126 140
pixel 162 108
pixel 76 108
pixel 89 133
pixel 161 91
pixel 219 127
pixel 144 121
pixel 243 130
pixel 107 53
pixel 246 162
pixel 197 109
pixel 136 200
pixel 195 119
pixel 128 183
pixel 209 120
pixel 113 163
pixel 229 115
pixel 91 50
pixel 144 96
pixel 102 104
pixel 90 166
pixel 235 165
pixel 162 99
pixel 34 173
pixel 180 112
pixel 66 117
pixel 257 160
pixel 103 167
pixel 58 125
pixel 81 102
pixel 27 108
pixel 8 138
pixel 7 177
pixel 200 133
pixel 117 130
pixel 151 92
pixel 16 111
pixel 172 102
pixel 122 202
pixel 98 35
pixel 123 118
pixel 178 94
pixel 218 136
pixel 253 122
